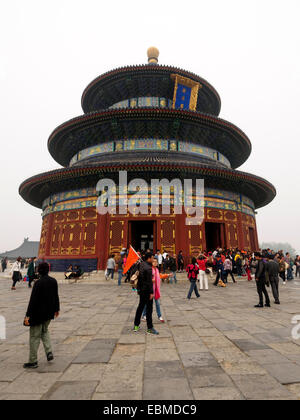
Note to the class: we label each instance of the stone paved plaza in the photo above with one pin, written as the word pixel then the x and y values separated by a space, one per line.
pixel 215 347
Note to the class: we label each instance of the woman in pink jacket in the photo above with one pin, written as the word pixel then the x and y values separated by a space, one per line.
pixel 156 291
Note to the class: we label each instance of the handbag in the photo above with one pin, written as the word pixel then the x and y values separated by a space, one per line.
pixel 134 279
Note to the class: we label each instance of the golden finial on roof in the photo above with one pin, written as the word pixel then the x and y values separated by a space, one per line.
pixel 153 54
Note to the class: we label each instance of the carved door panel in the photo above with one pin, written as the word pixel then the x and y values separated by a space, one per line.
pixel 89 238
pixel 116 235
pixel 195 238
pixel 167 234
pixel 55 240
pixel 232 235
pixel 44 232
pixel 246 237
pixel 71 237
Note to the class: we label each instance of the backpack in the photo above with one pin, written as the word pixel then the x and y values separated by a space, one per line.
pixel 193 271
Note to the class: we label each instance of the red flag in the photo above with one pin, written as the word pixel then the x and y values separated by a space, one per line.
pixel 132 258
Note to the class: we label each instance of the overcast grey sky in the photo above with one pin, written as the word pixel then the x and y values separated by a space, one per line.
pixel 248 50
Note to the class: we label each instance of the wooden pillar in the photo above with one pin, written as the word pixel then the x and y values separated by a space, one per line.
pixel 102 243
pixel 182 240
pixel 49 235
pixel 241 242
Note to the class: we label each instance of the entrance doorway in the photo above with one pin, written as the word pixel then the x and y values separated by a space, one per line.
pixel 142 235
pixel 215 236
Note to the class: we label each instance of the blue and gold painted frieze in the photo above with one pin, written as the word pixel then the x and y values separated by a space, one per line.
pixel 149 144
pixel 86 197
pixel 144 102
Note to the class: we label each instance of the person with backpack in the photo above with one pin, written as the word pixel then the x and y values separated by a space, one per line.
pixel 193 271
pixel 260 277
pixel 145 291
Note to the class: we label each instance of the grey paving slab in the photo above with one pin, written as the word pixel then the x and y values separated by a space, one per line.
pixel 167 369
pixel 83 372
pixel 116 379
pixel 247 345
pixel 3 386
pixel 61 363
pixel 198 359
pixel 96 351
pixel 285 373
pixel 200 377
pixel 224 325
pixel 75 390
pixel 167 389
pixel 220 393
pixel 261 387
pixel 38 383
pixel 122 396
pixel 267 356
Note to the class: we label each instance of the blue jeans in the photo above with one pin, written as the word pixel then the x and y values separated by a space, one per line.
pixel 157 305
pixel 173 276
pixel 193 287
pixel 120 277
pixel 110 271
pixel 290 274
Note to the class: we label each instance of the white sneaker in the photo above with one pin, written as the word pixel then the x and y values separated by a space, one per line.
pixel 284 282
pixel 144 318
pixel 161 319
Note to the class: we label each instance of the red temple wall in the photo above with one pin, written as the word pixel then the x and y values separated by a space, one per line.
pixel 83 233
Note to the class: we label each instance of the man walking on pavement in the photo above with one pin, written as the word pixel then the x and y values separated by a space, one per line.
pixel 145 291
pixel 273 271
pixel 260 277
pixel 43 306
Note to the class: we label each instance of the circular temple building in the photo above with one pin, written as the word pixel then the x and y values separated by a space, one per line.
pixel 154 122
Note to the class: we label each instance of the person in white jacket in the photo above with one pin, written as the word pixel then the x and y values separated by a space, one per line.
pixel 16 272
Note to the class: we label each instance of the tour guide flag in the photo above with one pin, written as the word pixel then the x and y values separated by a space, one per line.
pixel 185 92
pixel 132 258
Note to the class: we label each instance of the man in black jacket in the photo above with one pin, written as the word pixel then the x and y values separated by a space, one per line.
pixel 43 306
pixel 273 273
pixel 260 277
pixel 145 290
